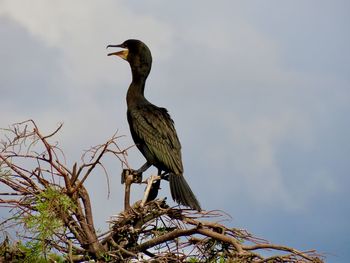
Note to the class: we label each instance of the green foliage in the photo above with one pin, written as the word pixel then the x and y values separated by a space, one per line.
pixel 45 222
pixel 25 253
pixel 32 253
pixel 106 257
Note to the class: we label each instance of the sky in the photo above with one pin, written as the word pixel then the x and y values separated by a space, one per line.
pixel 259 92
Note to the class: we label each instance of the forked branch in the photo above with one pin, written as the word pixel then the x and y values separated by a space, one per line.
pixel 58 214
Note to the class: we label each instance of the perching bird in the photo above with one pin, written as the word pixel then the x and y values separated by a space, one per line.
pixel 151 127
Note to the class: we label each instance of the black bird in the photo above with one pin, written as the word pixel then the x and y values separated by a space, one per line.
pixel 151 127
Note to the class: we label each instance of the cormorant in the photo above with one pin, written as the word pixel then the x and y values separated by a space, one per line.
pixel 151 127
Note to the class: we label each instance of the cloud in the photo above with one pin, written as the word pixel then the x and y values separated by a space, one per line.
pixel 29 69
pixel 64 60
pixel 259 94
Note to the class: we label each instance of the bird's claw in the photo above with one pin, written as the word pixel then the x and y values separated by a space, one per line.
pixel 165 176
pixel 136 177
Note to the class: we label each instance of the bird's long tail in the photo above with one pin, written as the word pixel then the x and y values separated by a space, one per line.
pixel 182 193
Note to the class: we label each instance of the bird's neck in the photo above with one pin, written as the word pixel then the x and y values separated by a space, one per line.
pixel 135 93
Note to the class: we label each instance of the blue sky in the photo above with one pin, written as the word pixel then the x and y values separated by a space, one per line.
pixel 259 92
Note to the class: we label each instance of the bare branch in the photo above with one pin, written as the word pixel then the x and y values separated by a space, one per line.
pixel 50 202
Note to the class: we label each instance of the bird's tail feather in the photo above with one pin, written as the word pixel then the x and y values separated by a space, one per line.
pixel 182 193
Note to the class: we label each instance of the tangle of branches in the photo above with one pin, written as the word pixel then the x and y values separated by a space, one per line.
pixel 49 202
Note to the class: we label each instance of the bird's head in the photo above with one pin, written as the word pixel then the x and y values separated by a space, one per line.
pixel 136 53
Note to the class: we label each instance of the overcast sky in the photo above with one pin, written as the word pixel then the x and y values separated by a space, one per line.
pixel 259 92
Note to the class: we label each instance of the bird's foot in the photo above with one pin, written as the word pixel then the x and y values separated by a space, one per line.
pixel 133 175
pixel 165 176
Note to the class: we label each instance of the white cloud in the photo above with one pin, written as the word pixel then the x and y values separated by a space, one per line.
pixel 82 30
pixel 254 112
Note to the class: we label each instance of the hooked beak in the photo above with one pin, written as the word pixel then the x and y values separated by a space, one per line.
pixel 123 54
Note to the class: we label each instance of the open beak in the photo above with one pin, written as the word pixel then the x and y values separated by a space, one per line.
pixel 123 54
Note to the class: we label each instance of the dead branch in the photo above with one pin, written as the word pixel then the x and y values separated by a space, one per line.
pixel 25 143
pixel 31 170
pixel 172 231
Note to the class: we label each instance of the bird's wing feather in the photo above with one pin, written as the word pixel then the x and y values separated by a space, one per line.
pixel 154 126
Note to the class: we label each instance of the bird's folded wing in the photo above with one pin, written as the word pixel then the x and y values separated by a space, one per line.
pixel 154 126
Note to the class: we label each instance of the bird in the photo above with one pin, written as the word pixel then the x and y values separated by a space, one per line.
pixel 152 128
